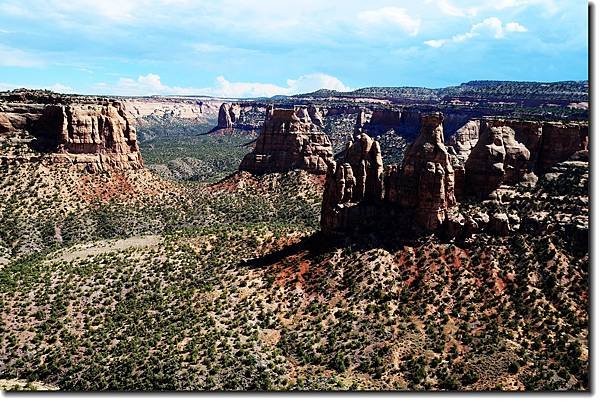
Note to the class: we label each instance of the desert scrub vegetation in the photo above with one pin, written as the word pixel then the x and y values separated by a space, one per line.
pixel 240 292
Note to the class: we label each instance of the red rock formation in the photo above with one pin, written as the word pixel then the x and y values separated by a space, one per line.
pixel 289 140
pixel 228 115
pixel 89 132
pixel 353 187
pixel 546 144
pixel 425 183
pixel 560 141
pixel 357 189
pixel 497 158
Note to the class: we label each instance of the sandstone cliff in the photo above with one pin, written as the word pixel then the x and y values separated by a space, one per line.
pixel 243 116
pixel 289 139
pixel 483 158
pixel 425 182
pixel 419 192
pixel 490 152
pixel 88 132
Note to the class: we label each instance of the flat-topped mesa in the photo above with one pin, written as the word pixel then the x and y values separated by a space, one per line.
pixel 88 132
pixel 354 187
pixel 289 140
pixel 425 183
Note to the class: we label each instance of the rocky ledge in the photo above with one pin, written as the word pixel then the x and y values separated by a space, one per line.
pixel 89 132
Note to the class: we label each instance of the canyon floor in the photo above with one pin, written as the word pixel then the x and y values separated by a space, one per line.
pixel 137 281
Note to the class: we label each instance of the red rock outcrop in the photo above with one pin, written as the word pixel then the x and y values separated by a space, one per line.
pixel 88 132
pixel 353 187
pixel 529 148
pixel 425 183
pixel 289 140
pixel 560 141
pixel 358 188
pixel 497 158
pixel 228 115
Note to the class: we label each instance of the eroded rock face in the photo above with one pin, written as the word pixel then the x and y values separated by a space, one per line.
pixel 289 140
pixel 353 187
pixel 560 141
pixel 90 132
pixel 525 149
pixel 243 116
pixel 226 117
pixel 497 158
pixel 101 130
pixel 425 182
pixel 423 188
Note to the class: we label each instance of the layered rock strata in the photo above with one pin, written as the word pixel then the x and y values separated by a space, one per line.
pixel 88 132
pixel 243 116
pixel 423 187
pixel 289 139
pixel 491 152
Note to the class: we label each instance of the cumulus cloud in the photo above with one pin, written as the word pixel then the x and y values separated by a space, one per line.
pixel 491 27
pixel 151 84
pixel 394 16
pixel 515 27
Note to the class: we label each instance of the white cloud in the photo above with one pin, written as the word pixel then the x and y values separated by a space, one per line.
pixel 151 84
pixel 515 27
pixel 11 57
pixel 392 16
pixel 450 9
pixel 492 27
pixel 436 42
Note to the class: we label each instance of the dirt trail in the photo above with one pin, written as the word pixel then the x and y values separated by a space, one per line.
pixel 105 246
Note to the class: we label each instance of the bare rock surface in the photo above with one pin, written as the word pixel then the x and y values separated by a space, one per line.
pixel 93 133
pixel 289 140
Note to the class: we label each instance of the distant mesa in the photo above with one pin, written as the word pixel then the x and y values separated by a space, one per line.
pixel 88 132
pixel 290 139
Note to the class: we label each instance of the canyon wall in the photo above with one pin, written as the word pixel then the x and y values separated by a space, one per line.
pixel 88 132
pixel 490 152
pixel 242 116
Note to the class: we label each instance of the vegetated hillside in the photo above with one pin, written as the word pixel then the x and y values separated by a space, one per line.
pixel 529 93
pixel 229 286
pixel 186 149
pixel 198 156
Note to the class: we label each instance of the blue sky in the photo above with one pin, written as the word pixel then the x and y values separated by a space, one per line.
pixel 248 48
